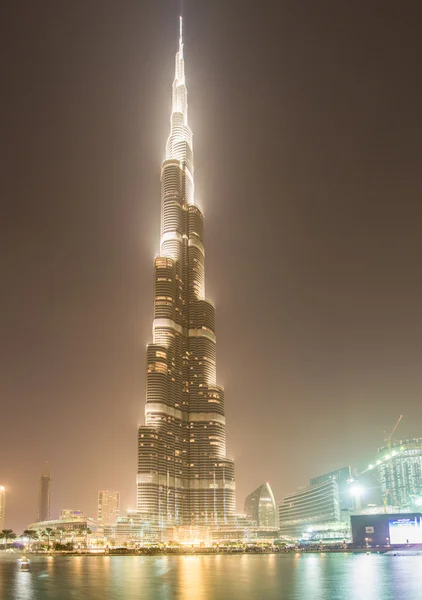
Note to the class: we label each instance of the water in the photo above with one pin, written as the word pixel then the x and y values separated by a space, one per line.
pixel 238 577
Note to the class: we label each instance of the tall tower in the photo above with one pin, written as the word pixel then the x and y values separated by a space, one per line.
pixel 44 492
pixel 2 506
pixel 184 477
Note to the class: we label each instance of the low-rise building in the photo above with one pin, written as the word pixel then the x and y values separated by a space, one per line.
pixel 387 529
pixel 70 529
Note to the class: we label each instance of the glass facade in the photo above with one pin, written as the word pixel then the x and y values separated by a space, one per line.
pixel 260 507
pixel 309 507
pixel 343 477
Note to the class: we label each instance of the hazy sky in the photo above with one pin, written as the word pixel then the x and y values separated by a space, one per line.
pixel 307 138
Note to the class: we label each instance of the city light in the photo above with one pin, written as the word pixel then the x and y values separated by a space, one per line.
pixel 357 490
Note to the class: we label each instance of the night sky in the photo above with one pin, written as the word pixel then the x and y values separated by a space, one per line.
pixel 307 139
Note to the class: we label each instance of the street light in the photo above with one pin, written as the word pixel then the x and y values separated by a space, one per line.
pixel 357 490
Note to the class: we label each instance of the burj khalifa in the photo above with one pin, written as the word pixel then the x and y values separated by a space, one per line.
pixel 183 475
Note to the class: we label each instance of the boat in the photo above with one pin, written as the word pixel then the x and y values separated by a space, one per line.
pixel 24 563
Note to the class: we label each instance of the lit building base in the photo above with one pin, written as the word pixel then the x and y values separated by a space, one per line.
pixel 192 535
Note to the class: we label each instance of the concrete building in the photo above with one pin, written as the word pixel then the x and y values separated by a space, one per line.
pixel 260 507
pixel 307 508
pixel 184 476
pixel 108 507
pixel 2 506
pixel 399 469
pixel 44 494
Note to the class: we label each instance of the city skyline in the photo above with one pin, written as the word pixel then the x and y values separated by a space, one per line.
pixel 307 134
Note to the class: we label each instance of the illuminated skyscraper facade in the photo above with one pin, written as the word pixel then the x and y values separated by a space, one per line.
pixel 184 477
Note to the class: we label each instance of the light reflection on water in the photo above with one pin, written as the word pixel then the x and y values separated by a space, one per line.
pixel 250 577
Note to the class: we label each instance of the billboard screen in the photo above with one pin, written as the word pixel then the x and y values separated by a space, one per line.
pixel 406 531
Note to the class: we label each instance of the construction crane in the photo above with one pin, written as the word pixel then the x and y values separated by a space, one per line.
pixel 388 439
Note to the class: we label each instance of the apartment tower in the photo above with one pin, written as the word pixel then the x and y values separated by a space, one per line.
pixel 108 507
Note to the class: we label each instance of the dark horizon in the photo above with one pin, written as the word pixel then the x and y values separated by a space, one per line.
pixel 307 129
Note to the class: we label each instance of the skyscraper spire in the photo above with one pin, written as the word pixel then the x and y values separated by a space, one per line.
pixel 184 477
pixel 180 104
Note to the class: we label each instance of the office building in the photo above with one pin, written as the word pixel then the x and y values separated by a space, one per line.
pixel 344 478
pixel 44 494
pixel 260 507
pixel 309 507
pixel 184 476
pixel 108 507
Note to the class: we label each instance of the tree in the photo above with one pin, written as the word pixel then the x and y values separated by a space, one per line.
pixel 41 536
pixel 30 534
pixel 86 531
pixel 7 534
pixel 74 533
pixel 48 533
pixel 61 533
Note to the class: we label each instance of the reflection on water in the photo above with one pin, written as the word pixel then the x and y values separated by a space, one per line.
pixel 23 585
pixel 191 578
pixel 249 577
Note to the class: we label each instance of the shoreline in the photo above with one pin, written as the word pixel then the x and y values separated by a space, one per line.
pixel 208 552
